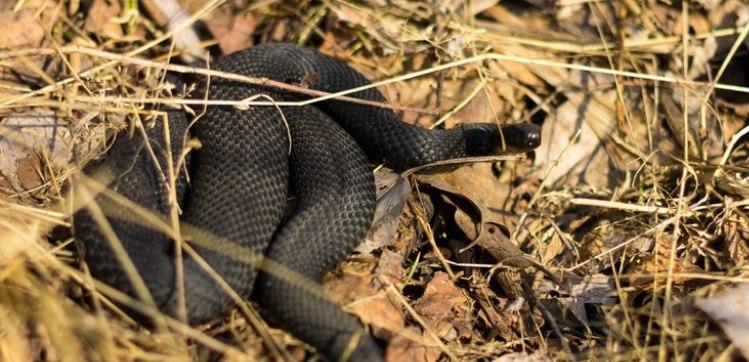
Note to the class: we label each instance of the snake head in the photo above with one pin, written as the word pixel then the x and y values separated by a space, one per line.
pixel 520 137
pixel 486 138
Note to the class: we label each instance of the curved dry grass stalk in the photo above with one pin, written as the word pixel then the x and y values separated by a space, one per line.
pixel 123 258
pixel 127 59
pixel 202 12
pixel 621 206
pixel 434 338
pixel 204 239
pixel 683 217
pixel 322 96
pixel 627 44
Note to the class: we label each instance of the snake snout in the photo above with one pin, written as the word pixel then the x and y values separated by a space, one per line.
pixel 521 137
pixel 533 138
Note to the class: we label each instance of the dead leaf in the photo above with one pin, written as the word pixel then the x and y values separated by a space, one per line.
pixel 392 194
pixel 736 231
pixel 233 32
pixel 383 27
pixel 170 14
pixel 100 19
pixel 28 171
pixel 378 311
pixel 491 310
pixel 359 281
pixel 25 137
pixel 585 160
pixel 704 133
pixel 353 280
pixel 501 247
pixel 486 106
pixel 730 309
pixel 495 199
pixel 577 292
pixel 20 28
pixel 444 308
pixel 404 347
pixel 538 356
pixel 656 265
pixel 390 268
pixel 595 288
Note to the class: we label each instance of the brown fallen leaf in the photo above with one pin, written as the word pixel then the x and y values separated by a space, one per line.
pixel 492 239
pixel 589 289
pixel 585 160
pixel 24 138
pixel 20 28
pixel 704 133
pixel 28 171
pixel 486 106
pixel 491 199
pixel 233 32
pixel 385 317
pixel 656 266
pixel 492 311
pixel 359 281
pixel 404 347
pixel 538 356
pixel 736 231
pixel 501 247
pixel 383 27
pixel 100 19
pixel 730 309
pixel 390 268
pixel 353 279
pixel 444 307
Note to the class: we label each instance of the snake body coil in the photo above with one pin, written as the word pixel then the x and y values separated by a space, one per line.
pixel 240 181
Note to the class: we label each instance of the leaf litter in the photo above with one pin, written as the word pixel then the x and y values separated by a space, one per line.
pixel 606 242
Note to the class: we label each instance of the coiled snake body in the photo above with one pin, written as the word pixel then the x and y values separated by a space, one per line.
pixel 240 180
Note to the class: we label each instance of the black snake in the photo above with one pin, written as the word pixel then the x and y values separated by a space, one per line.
pixel 238 185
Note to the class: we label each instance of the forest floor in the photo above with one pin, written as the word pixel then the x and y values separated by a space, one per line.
pixel 623 236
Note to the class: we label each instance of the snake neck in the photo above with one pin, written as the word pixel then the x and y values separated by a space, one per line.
pixel 480 139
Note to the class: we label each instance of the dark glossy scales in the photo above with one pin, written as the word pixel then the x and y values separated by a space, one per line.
pixel 242 178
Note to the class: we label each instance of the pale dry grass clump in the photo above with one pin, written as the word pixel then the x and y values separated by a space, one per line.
pixel 633 208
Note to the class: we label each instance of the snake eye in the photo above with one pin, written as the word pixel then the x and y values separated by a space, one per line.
pixel 533 139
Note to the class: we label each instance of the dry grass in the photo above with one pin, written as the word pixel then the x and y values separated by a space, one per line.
pixel 639 189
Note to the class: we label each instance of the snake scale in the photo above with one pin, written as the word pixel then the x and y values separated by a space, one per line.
pixel 243 193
